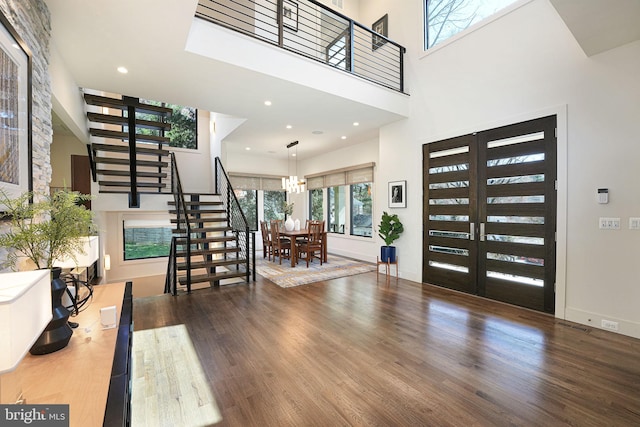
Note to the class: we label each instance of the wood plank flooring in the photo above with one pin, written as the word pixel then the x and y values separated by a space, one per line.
pixel 356 352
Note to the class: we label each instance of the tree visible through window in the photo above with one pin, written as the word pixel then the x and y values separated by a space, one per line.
pixel 446 18
pixel 248 201
pixel 337 207
pixel 315 205
pixel 273 202
pixel 361 208
pixel 184 125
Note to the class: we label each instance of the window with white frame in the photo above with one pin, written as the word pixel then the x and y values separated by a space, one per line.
pixel 260 197
pixel 146 238
pixel 446 18
pixel 349 202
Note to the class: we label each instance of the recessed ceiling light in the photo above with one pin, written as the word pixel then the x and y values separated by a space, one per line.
pixel 356 124
pixel 248 148
pixel 122 70
pixel 289 126
pixel 267 103
pixel 317 132
pixel 343 137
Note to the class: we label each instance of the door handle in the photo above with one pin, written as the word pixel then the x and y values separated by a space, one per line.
pixel 472 231
pixel 482 231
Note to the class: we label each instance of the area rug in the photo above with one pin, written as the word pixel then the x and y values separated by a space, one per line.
pixel 287 277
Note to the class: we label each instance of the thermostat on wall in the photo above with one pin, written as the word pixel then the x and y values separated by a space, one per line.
pixel 603 195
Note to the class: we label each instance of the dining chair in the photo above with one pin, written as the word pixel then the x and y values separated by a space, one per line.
pixel 267 244
pixel 312 244
pixel 281 246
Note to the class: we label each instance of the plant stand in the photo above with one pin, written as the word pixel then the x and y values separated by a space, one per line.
pixel 387 268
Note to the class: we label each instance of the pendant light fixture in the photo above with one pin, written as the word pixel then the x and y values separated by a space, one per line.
pixel 292 184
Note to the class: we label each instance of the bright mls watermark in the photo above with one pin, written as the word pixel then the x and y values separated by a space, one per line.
pixel 34 415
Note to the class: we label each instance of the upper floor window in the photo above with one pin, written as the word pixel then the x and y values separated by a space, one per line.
pixel 446 18
pixel 184 125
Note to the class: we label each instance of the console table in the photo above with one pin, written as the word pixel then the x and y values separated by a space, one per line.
pixel 79 374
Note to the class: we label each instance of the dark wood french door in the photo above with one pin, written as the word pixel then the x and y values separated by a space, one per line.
pixel 490 213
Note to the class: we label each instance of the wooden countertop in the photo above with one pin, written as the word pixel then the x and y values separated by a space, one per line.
pixel 79 374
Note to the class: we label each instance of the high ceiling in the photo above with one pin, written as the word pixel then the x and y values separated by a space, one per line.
pixel 148 37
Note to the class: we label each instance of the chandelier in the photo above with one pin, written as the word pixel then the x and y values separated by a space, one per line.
pixel 292 184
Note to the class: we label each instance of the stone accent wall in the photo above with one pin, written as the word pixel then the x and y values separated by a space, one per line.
pixel 32 21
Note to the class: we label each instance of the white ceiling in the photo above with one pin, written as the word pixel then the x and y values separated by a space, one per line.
pixel 600 25
pixel 148 37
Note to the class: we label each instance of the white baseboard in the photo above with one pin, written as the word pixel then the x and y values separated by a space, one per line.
pixel 625 327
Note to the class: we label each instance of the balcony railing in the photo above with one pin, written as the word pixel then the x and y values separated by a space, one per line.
pixel 315 31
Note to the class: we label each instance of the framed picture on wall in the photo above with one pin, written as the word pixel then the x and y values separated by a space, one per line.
pixel 290 14
pixel 398 194
pixel 15 120
pixel 381 26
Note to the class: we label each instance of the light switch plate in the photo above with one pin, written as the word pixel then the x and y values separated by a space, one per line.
pixel 634 223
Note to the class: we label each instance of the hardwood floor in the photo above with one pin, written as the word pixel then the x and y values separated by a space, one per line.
pixel 353 352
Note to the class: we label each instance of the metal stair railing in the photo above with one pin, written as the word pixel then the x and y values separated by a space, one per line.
pixel 311 29
pixel 236 220
pixel 171 282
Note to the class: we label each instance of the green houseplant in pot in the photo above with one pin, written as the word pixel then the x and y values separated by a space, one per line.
pixel 389 230
pixel 44 231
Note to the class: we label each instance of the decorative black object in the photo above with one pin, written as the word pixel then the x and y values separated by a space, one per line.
pixel 57 334
pixel 381 26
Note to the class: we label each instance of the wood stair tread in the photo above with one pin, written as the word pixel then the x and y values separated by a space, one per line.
pixel 197 278
pixel 142 174
pixel 125 149
pixel 120 104
pixel 122 120
pixel 210 251
pixel 202 230
pixel 201 220
pixel 200 211
pixel 121 161
pixel 140 184
pixel 182 266
pixel 198 203
pixel 179 240
pixel 124 136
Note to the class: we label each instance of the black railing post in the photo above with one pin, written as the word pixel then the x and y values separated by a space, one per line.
pixel 279 5
pixel 92 163
pixel 352 59
pixel 134 197
pixel 401 52
pixel 253 255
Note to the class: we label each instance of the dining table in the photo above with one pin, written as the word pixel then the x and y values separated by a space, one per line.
pixel 303 232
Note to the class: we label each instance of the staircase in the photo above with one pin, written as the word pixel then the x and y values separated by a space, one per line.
pixel 212 241
pixel 215 250
pixel 130 130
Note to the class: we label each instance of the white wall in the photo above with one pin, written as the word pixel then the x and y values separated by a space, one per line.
pixel 524 65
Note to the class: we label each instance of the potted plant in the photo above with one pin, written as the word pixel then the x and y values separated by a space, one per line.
pixel 389 230
pixel 49 229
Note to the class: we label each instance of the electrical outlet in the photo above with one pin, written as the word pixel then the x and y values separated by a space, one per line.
pixel 609 324
pixel 609 223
